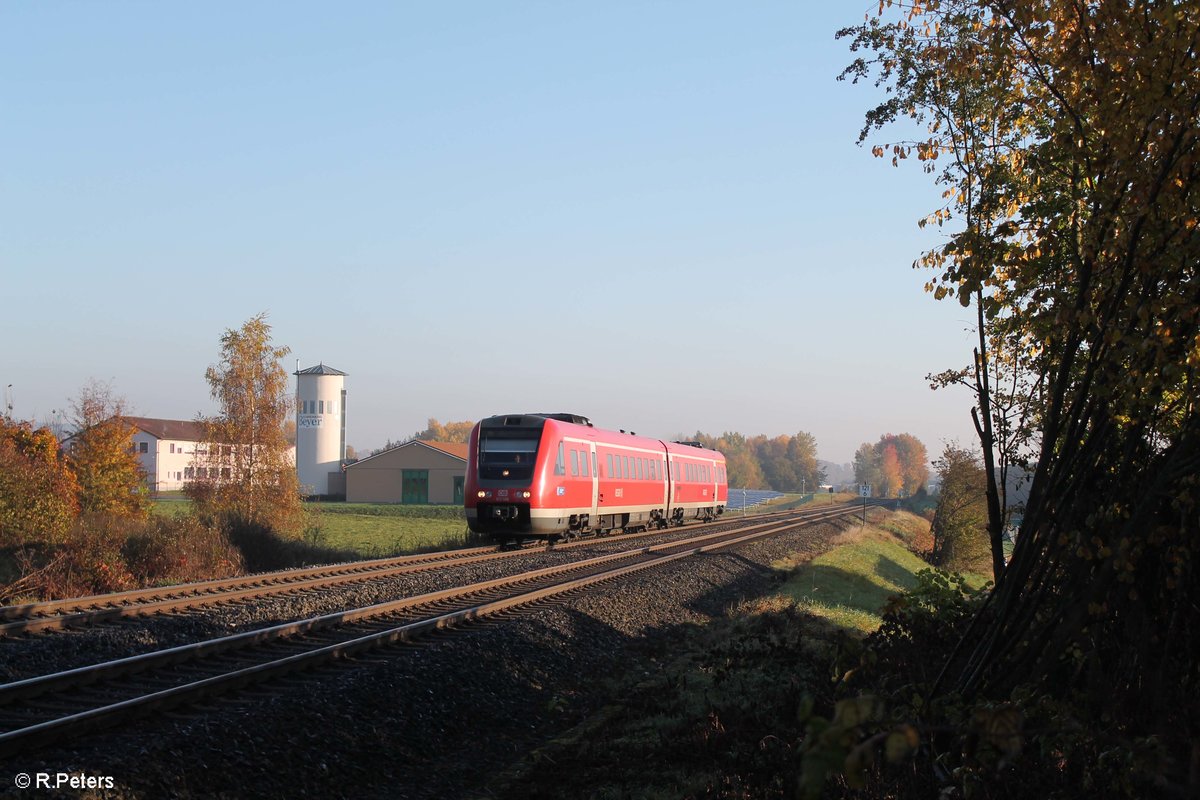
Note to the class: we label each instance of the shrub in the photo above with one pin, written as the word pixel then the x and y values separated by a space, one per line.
pixel 105 553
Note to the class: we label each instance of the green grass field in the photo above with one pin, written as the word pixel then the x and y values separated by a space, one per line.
pixel 375 529
pixel 372 530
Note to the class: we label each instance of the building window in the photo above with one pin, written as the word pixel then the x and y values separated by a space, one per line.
pixel 320 406
pixel 143 447
pixel 189 472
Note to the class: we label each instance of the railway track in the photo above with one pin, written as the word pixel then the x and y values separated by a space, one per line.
pixel 51 707
pixel 98 609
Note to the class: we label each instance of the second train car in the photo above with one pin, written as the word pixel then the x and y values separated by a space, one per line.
pixel 556 475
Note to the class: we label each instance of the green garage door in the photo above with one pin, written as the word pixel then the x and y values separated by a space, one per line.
pixel 415 486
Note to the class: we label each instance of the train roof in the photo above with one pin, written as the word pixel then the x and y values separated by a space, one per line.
pixel 516 419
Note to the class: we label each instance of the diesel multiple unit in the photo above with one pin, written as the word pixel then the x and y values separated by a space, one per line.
pixel 555 475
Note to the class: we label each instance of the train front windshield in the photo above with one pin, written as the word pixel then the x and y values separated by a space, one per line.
pixel 505 456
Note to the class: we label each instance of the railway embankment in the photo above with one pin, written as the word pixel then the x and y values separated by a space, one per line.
pixel 725 710
pixel 447 716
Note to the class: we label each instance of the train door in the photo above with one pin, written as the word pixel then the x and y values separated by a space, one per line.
pixel 590 453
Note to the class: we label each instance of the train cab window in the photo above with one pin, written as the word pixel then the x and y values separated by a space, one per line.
pixel 574 463
pixel 560 463
pixel 507 457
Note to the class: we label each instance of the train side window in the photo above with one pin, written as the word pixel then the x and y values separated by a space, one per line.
pixel 560 462
pixel 610 466
pixel 650 463
pixel 624 466
pixel 583 459
pixel 574 463
pixel 641 469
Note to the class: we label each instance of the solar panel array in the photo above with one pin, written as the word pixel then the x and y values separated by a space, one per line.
pixel 748 498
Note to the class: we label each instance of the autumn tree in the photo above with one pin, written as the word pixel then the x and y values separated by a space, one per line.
pixel 960 540
pixel 249 478
pixel 1065 136
pixel 742 467
pixel 867 466
pixel 39 496
pixel 450 432
pixel 895 465
pixel 101 454
pixel 782 463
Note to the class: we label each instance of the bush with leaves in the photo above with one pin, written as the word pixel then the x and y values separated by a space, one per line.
pixel 39 496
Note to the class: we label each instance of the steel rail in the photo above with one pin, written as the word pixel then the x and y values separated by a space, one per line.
pixel 79 612
pixel 81 721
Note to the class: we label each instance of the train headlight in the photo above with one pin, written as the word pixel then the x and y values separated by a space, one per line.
pixel 504 473
pixel 481 494
pixel 527 495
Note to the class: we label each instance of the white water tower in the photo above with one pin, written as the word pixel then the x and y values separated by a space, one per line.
pixel 320 426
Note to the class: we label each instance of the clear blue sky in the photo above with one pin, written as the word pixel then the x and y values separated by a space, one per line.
pixel 653 214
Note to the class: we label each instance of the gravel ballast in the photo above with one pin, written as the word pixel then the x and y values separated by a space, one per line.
pixel 433 719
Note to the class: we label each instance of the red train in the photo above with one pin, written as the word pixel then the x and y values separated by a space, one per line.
pixel 555 475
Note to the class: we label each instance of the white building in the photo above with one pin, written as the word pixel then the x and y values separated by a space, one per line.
pixel 166 448
pixel 320 429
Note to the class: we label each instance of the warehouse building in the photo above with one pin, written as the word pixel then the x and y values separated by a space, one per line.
pixel 415 472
